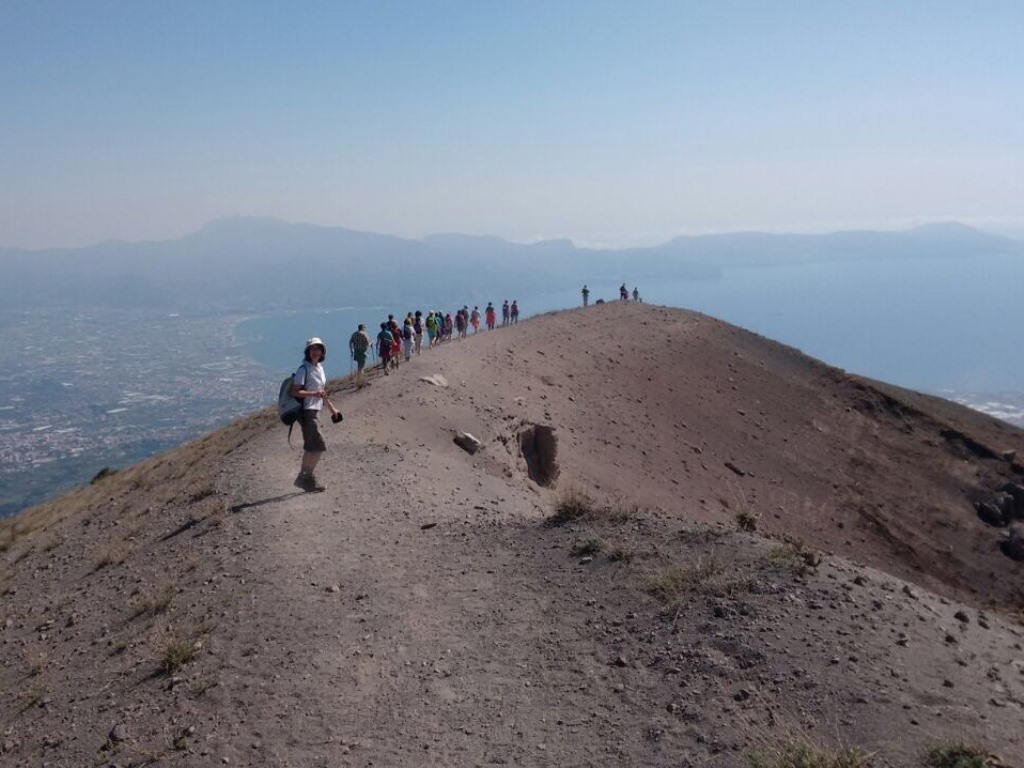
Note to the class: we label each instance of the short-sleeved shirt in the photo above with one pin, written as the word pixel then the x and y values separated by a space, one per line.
pixel 311 378
pixel 360 341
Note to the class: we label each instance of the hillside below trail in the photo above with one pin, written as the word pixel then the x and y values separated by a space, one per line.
pixel 427 609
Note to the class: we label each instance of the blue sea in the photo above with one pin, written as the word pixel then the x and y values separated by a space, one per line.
pixel 934 325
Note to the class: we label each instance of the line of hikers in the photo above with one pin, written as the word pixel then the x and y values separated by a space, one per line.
pixel 396 340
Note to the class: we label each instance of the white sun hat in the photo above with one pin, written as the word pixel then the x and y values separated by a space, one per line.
pixel 314 342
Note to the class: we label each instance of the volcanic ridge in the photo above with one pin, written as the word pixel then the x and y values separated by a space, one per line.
pixel 620 535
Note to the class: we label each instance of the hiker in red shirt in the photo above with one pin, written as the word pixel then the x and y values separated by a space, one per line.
pixel 396 344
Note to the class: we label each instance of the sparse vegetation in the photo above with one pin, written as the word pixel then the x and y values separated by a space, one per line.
pixel 113 554
pixel 176 654
pixel 589 546
pixel 200 688
pixel 108 748
pixel 154 605
pixel 960 756
pixel 701 535
pixel 105 472
pixel 747 519
pixel 746 516
pixel 619 514
pixel 118 648
pixel 35 695
pixel 217 517
pixel 572 505
pixel 795 557
pixel 202 493
pixel 675 586
pixel 621 554
pixel 803 754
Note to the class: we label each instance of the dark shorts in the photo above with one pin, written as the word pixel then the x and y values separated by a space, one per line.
pixel 312 440
pixel 360 359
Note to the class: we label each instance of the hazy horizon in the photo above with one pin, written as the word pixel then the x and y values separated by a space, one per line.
pixel 610 244
pixel 608 124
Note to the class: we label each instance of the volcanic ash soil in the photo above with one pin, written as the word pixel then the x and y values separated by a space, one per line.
pixel 674 543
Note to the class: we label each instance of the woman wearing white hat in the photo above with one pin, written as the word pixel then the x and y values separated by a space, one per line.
pixel 310 385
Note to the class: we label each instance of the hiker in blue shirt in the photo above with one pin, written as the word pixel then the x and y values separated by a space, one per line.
pixel 384 340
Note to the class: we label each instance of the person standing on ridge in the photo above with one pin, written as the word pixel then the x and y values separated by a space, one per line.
pixel 431 326
pixel 408 337
pixel 504 313
pixel 396 344
pixel 489 316
pixel 586 295
pixel 310 385
pixel 636 294
pixel 358 345
pixel 474 320
pixel 417 326
pixel 623 293
pixel 384 339
pixel 515 311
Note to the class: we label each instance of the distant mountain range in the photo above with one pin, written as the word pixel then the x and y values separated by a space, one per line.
pixel 246 263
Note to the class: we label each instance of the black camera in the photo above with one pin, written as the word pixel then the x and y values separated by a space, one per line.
pixel 337 417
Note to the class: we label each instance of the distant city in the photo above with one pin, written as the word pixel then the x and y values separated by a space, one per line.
pixel 88 389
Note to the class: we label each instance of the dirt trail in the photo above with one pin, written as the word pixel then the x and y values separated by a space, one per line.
pixel 446 644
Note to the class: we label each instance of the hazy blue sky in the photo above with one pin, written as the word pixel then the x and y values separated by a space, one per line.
pixel 606 122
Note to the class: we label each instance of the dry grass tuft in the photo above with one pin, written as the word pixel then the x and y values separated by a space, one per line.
pixel 112 554
pixel 589 546
pixel 747 520
pixel 176 654
pixel 795 557
pixel 33 697
pixel 154 605
pixel 707 576
pixel 102 475
pixel 573 504
pixel 803 754
pixel 960 755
